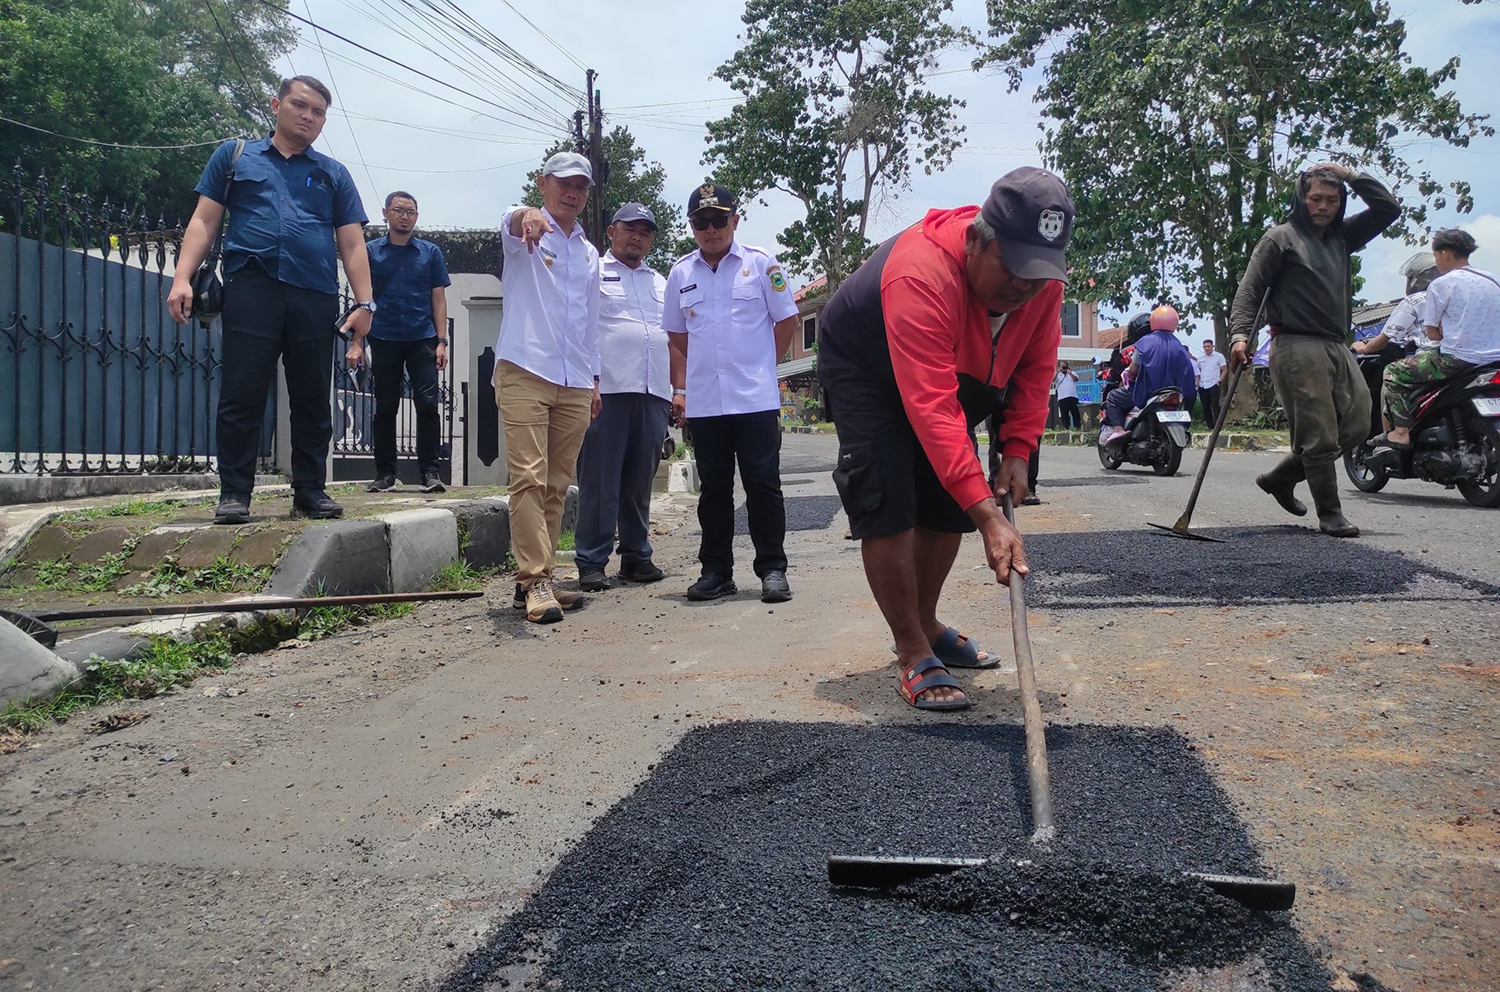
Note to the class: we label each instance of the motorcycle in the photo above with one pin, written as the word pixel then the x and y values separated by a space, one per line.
pixel 1155 435
pixel 1455 436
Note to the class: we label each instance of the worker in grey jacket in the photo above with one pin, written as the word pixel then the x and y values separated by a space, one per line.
pixel 1298 282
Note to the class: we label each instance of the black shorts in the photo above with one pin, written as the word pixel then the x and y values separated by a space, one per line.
pixel 884 478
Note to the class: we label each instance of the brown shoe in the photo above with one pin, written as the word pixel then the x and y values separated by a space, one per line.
pixel 567 598
pixel 541 603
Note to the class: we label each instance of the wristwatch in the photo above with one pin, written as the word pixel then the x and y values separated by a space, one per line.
pixel 679 392
pixel 366 305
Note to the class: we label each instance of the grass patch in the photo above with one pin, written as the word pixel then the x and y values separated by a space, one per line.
pixel 325 621
pixel 458 574
pixel 225 575
pixel 65 575
pixel 166 664
pixel 568 541
pixel 130 508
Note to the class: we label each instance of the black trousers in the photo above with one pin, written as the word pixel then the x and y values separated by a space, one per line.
pixel 418 360
pixel 754 440
pixel 1033 464
pixel 1067 413
pixel 615 470
pixel 266 319
pixel 1209 397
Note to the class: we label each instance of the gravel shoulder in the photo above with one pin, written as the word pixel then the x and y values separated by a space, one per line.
pixel 374 804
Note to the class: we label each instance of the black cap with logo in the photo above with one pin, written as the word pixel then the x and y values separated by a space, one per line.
pixel 712 196
pixel 1032 215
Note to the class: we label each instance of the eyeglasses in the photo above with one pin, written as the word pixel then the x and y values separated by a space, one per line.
pixel 403 211
pixel 716 220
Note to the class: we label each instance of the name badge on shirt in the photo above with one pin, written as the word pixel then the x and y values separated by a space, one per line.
pixel 609 278
pixel 688 289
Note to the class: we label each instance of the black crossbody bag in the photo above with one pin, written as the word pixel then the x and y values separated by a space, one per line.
pixel 208 288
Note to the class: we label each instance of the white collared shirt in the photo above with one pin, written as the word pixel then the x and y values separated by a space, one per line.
pixel 1465 304
pixel 729 316
pixel 550 322
pixel 633 354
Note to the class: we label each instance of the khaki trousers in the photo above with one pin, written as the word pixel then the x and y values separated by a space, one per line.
pixel 1326 400
pixel 544 427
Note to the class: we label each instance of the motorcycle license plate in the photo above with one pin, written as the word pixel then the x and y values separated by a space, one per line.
pixel 1179 416
pixel 1487 406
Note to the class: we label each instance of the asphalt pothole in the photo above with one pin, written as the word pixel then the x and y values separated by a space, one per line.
pixel 802 513
pixel 1265 565
pixel 711 875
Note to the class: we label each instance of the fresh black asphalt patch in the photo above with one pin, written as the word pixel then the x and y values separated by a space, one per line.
pixel 711 875
pixel 1091 480
pixel 1285 564
pixel 802 513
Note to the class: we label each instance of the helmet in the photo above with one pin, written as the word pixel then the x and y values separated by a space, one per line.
pixel 1139 327
pixel 1419 271
pixel 1164 319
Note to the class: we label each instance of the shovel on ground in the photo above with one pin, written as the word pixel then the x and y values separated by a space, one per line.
pixel 1180 528
pixel 888 872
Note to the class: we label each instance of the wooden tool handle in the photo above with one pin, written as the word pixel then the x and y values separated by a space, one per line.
pixel 1039 781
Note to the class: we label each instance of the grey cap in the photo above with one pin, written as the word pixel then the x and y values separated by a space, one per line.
pixel 1032 215
pixel 634 211
pixel 566 164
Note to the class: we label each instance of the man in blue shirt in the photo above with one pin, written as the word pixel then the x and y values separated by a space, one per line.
pixel 411 325
pixel 1160 360
pixel 293 213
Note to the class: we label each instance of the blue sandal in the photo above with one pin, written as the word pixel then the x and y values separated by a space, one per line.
pixel 913 683
pixel 955 650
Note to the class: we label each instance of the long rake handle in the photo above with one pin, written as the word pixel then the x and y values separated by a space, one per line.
pixel 1213 439
pixel 1038 780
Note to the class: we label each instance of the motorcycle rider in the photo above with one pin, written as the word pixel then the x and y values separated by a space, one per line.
pixel 1462 314
pixel 1404 327
pixel 1159 360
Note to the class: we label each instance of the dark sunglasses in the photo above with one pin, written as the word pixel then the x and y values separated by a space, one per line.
pixel 716 220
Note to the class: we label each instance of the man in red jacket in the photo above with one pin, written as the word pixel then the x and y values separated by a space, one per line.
pixel 955 318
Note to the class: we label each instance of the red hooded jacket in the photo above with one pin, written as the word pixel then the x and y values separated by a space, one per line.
pixel 937 330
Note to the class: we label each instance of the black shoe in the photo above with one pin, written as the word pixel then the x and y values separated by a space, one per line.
pixel 232 510
pixel 1032 499
pixel 317 504
pixel 641 571
pixel 711 586
pixel 381 484
pixel 591 578
pixel 774 588
pixel 432 482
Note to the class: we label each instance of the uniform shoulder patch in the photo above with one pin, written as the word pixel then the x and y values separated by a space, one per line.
pixel 778 281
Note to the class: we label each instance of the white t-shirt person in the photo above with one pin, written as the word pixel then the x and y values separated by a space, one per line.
pixel 1066 385
pixel 1404 325
pixel 1465 304
pixel 1211 370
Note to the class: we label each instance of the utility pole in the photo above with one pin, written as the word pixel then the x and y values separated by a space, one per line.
pixel 595 153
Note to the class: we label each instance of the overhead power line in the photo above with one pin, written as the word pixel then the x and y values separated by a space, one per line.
pixel 358 151
pixel 114 144
pixel 234 54
pixel 397 62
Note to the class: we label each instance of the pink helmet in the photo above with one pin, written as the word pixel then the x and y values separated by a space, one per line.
pixel 1164 319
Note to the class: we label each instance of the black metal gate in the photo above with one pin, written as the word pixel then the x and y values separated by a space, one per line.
pixel 354 422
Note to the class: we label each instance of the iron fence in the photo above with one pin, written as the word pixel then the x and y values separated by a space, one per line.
pixel 100 379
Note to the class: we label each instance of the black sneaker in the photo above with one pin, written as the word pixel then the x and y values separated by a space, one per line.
pixel 315 503
pixel 711 586
pixel 381 484
pixel 1032 499
pixel 232 509
pixel 591 578
pixel 432 482
pixel 774 587
pixel 641 571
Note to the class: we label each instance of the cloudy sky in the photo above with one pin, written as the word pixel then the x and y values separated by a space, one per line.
pixel 466 160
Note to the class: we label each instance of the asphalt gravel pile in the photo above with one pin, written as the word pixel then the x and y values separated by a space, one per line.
pixel 802 513
pixel 712 874
pixel 1285 564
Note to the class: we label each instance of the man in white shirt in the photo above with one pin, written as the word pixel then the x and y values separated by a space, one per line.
pixel 1404 326
pixel 547 377
pixel 623 445
pixel 1462 316
pixel 730 315
pixel 1210 377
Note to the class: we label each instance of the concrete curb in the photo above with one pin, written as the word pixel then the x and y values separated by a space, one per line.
pixel 335 558
pixel 422 543
pixel 28 670
pixel 683 477
pixel 53 488
pixel 1230 442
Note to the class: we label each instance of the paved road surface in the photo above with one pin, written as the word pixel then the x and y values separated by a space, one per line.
pixel 373 804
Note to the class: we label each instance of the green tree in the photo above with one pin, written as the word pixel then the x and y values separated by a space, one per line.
pixel 629 178
pixel 836 115
pixel 1181 125
pixel 134 73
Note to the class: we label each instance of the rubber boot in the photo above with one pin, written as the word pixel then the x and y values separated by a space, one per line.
pixel 1323 482
pixel 1281 483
